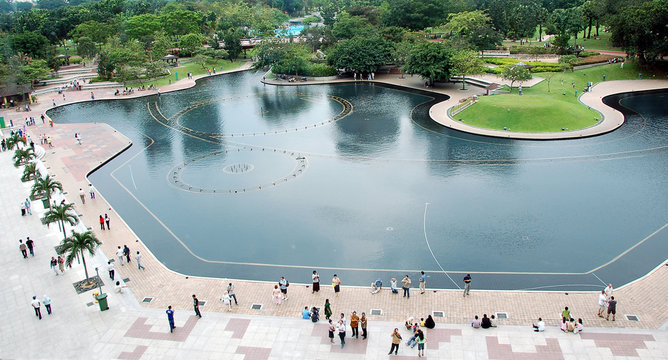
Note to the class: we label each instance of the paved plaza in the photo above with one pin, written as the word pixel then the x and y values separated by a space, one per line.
pixel 136 327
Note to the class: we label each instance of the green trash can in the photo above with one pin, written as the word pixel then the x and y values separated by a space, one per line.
pixel 45 203
pixel 102 300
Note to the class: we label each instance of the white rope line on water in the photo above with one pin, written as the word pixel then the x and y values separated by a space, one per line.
pixel 426 239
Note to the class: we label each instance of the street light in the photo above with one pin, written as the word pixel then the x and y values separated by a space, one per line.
pixel 99 286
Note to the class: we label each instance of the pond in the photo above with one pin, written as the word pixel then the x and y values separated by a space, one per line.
pixel 237 179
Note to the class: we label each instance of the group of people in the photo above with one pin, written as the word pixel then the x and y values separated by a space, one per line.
pixel 485 322
pixel 26 247
pixel 125 253
pixel 607 304
pixel 340 326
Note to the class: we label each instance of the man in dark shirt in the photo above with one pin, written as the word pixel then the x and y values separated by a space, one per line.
pixel 612 308
pixel 196 306
pixel 467 284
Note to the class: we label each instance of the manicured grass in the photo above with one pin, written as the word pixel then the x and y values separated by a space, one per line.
pixel 601 42
pixel 183 70
pixel 541 111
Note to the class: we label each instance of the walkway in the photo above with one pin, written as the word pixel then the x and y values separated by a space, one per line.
pixel 133 327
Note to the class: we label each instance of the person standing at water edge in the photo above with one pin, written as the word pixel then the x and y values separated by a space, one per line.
pixel 316 282
pixel 170 318
pixel 423 282
pixel 406 286
pixel 612 308
pixel 91 191
pixel 602 303
pixel 336 284
pixel 230 292
pixel 196 306
pixel 608 292
pixel 139 265
pixel 106 219
pixel 119 254
pixel 101 222
pixel 467 284
pixel 283 283
pixel 126 252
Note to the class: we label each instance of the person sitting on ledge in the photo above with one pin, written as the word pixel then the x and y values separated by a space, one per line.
pixel 578 326
pixel 540 327
pixel 306 314
pixel 376 286
pixel 486 322
pixel 393 286
pixel 476 322
pixel 429 323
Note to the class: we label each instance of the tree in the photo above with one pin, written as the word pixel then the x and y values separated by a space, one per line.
pixel 34 70
pixel 464 24
pixel 23 156
pixel 180 22
pixel 31 43
pixel 467 62
pixel 328 14
pixel 400 54
pixel 161 45
pixel 548 78
pixel 190 43
pixel 360 54
pixel 516 73
pixel 641 30
pixel 142 25
pixel 45 187
pixel 86 47
pixel 569 61
pixel 415 14
pixel 95 30
pixel 431 60
pixel 79 243
pixel 61 214
pixel 154 69
pixel 202 60
pixel 14 140
pixel 30 172
pixel 232 40
pixel 348 26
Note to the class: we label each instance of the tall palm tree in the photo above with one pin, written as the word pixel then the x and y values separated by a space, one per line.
pixel 23 156
pixel 45 186
pixel 79 243
pixel 30 172
pixel 61 214
pixel 13 140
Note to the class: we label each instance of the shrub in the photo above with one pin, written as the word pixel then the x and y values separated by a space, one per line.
pixel 585 54
pixel 311 19
pixel 595 59
pixel 531 50
pixel 320 70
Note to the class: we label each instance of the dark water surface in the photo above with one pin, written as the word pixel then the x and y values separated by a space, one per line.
pixel 381 188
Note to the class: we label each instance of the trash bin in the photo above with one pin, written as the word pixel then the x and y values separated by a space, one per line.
pixel 102 301
pixel 45 203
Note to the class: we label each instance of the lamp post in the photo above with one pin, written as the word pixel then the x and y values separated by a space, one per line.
pixel 99 286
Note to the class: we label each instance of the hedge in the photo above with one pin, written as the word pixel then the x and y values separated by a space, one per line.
pixel 531 50
pixel 538 66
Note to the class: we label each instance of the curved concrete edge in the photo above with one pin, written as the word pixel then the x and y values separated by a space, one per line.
pixel 611 118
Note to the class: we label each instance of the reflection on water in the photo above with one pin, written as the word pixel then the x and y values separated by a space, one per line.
pixel 494 204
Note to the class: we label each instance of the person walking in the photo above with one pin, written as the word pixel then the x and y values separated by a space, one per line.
pixel 61 264
pixel 196 306
pixel 107 219
pixel 316 282
pixel 126 252
pixel 332 328
pixel 612 308
pixel 30 244
pixel 283 283
pixel 227 301
pixel 230 292
pixel 421 340
pixel 91 191
pixel 342 333
pixel 37 306
pixel 101 222
pixel 54 265
pixel 47 304
pixel 423 282
pixel 119 255
pixel 328 309
pixel 24 249
pixel 139 265
pixel 276 294
pixel 336 284
pixel 363 325
pixel 110 268
pixel 28 206
pixel 170 318
pixel 467 284
pixel 354 324
pixel 396 340
pixel 406 286
pixel 82 196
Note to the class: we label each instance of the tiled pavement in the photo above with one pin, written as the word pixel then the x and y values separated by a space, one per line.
pixel 132 330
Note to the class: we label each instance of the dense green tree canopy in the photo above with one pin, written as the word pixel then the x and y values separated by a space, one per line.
pixel 642 30
pixel 431 60
pixel 360 54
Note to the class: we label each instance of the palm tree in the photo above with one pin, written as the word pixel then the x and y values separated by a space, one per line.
pixel 79 243
pixel 13 140
pixel 45 187
pixel 61 214
pixel 23 156
pixel 30 172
